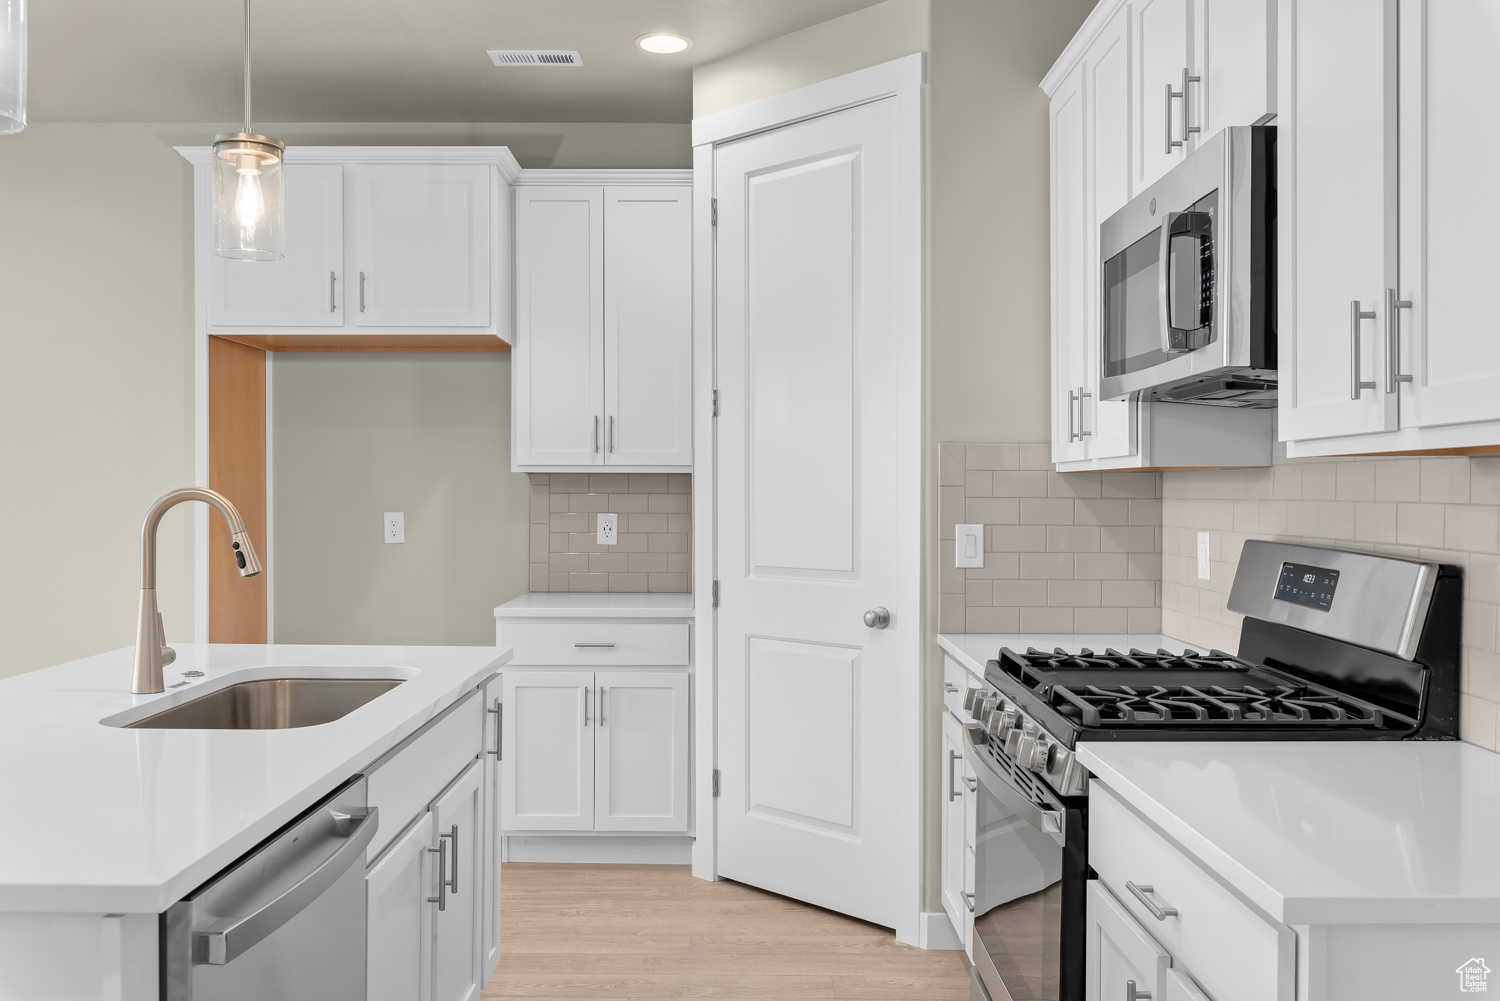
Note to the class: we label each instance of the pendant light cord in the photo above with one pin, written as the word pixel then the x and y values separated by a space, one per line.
pixel 247 66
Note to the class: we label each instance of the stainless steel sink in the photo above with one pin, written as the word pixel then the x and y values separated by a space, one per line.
pixel 271 704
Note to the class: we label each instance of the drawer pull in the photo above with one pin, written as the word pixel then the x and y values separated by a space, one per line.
pixel 969 901
pixel 1131 994
pixel 952 783
pixel 1142 892
pixel 594 646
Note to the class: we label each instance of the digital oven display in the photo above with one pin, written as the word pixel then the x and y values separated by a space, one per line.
pixel 1312 587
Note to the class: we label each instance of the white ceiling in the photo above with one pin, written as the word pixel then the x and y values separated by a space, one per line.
pixel 385 60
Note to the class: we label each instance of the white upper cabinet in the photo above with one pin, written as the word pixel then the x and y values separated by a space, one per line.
pixel 1071 336
pixel 422 245
pixel 1336 149
pixel 557 369
pixel 1387 212
pixel 1162 31
pixel 1234 57
pixel 648 325
pixel 602 370
pixel 302 289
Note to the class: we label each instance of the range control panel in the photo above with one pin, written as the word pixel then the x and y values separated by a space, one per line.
pixel 1307 585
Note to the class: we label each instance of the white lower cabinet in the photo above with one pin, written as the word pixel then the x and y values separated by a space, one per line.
pixel 1180 987
pixel 594 751
pixel 954 841
pixel 493 700
pixel 456 816
pixel 1124 963
pixel 399 960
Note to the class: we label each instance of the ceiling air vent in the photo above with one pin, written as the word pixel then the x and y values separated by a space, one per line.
pixel 535 57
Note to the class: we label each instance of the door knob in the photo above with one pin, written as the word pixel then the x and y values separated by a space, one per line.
pixel 877 618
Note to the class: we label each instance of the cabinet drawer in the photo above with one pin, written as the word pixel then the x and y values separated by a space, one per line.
pixel 405 782
pixel 1229 947
pixel 596 644
pixel 955 680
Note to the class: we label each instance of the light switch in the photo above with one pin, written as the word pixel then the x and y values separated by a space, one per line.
pixel 1203 556
pixel 968 546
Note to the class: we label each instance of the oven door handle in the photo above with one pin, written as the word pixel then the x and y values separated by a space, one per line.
pixel 1048 822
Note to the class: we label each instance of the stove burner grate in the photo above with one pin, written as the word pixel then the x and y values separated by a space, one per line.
pixel 1249 706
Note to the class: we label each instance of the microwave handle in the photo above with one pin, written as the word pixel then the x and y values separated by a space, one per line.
pixel 1169 228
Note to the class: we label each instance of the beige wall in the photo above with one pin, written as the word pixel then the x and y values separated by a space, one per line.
pixel 96 387
pixel 357 435
pixel 1442 508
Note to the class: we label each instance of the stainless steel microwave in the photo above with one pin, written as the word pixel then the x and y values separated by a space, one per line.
pixel 1188 291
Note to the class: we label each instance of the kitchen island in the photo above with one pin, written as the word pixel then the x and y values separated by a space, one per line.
pixel 105 826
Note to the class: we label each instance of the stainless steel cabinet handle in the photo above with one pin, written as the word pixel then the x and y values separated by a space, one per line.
pixel 361 291
pixel 1142 892
pixel 950 689
pixel 497 711
pixel 333 303
pixel 230 940
pixel 1187 129
pixel 878 617
pixel 594 646
pixel 1393 307
pixel 1131 994
pixel 968 901
pixel 1355 315
pixel 441 851
pixel 971 783
pixel 1082 431
pixel 952 782
pixel 1167 121
pixel 601 704
pixel 596 434
pixel 1072 399
pixel 586 693
pixel 453 876
pixel 611 433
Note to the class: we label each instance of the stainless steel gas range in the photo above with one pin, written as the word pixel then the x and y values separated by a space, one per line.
pixel 1336 645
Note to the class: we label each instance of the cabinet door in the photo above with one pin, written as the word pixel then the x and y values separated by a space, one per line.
pixel 490 842
pixel 1180 987
pixel 547 751
pixel 398 918
pixel 1234 49
pixel 1109 425
pixel 641 752
pixel 1450 211
pixel 1336 200
pixel 1119 952
pixel 422 245
pixel 304 288
pixel 1160 33
pixel 954 842
pixel 1070 267
pixel 648 326
pixel 456 818
pixel 557 368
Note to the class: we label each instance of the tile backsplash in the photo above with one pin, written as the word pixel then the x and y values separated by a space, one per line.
pixel 1440 508
pixel 654 551
pixel 1064 552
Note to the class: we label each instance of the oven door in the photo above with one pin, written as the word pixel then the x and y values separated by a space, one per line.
pixel 1030 870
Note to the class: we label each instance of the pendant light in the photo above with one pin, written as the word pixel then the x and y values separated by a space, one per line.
pixel 248 199
pixel 12 66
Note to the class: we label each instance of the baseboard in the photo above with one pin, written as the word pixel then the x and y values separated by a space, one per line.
pixel 936 932
pixel 605 849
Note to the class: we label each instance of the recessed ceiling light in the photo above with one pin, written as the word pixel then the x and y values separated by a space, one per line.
pixel 664 42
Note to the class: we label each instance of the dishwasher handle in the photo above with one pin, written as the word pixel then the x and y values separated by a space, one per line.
pixel 233 936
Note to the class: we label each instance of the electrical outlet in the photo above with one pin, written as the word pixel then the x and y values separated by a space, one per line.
pixel 1203 556
pixel 968 546
pixel 609 529
pixel 395 526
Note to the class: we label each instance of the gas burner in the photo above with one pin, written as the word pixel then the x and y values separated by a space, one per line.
pixel 1216 705
pixel 1036 669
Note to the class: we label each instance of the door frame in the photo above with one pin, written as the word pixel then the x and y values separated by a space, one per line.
pixel 902 80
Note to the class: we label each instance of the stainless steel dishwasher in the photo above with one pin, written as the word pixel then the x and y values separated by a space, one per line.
pixel 284 922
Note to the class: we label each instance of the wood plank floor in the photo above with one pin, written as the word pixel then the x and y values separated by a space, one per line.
pixel 632 933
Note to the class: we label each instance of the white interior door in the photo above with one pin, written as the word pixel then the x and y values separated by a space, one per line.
pixel 648 325
pixel 812 354
pixel 1450 212
pixel 304 288
pixel 641 751
pixel 558 358
pixel 398 918
pixel 547 751
pixel 422 245
pixel 1336 160
pixel 456 925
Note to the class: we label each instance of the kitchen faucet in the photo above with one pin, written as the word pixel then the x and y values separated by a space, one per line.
pixel 151 650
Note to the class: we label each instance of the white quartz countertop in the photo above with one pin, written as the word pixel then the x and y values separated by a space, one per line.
pixel 1326 832
pixel 557 605
pixel 973 649
pixel 102 819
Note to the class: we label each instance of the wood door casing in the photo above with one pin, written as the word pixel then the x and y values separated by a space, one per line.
pixel 236 469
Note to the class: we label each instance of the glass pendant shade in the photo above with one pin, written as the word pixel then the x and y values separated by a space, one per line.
pixel 248 203
pixel 12 66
